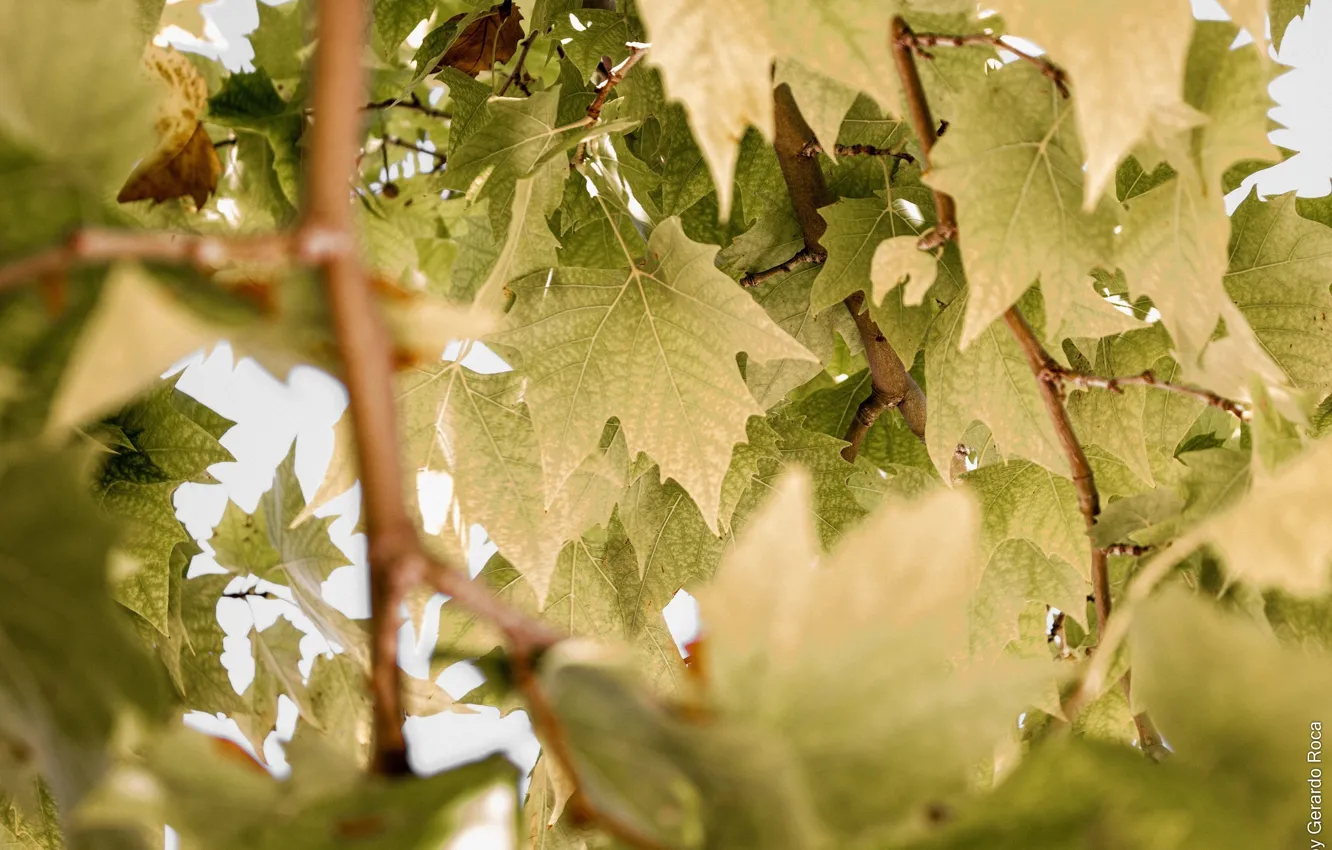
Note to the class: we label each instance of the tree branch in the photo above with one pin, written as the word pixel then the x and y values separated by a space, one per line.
pixel 813 149
pixel 1081 381
pixel 804 257
pixel 1043 367
pixel 808 190
pixel 414 102
pixel 413 146
pixel 94 245
pixel 367 358
pixel 921 40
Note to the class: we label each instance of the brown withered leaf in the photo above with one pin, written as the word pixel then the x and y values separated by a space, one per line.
pixel 192 172
pixel 490 39
pixel 184 162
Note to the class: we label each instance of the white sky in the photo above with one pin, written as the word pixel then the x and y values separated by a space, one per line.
pixel 270 413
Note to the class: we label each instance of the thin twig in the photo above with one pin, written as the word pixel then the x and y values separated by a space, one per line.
pixel 593 115
pixel 1082 381
pixel 413 102
pixel 518 68
pixel 413 146
pixel 1130 549
pixel 806 256
pixel 813 149
pixel 920 40
pixel 1043 367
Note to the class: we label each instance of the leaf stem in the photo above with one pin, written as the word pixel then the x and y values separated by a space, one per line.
pixel 921 40
pixel 1043 367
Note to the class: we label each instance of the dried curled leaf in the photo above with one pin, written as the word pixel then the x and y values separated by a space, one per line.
pixel 184 163
pixel 489 39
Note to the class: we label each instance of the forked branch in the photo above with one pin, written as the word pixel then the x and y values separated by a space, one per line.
pixel 905 44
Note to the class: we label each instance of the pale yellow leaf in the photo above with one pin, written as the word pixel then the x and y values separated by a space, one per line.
pixel 135 333
pixel 899 261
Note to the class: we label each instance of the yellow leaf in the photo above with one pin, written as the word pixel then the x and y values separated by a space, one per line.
pixel 135 333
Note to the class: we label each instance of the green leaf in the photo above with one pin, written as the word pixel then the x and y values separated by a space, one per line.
pixel 1282 12
pixel 205 684
pixel 167 447
pixel 277 655
pixel 395 19
pixel 1018 573
pixel 529 245
pixel 251 101
pixel 823 101
pixel 274 543
pixel 1022 500
pixel 823 660
pixel 280 39
pixel 217 802
pixel 71 666
pixel 1015 167
pixel 1279 264
pixel 989 381
pixel 1233 704
pixel 1126 63
pixel 716 59
pixel 598 590
pixel 651 345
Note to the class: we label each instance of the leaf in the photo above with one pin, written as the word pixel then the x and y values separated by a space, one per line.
pixel 1278 272
pixel 1022 500
pixel 277 655
pixel 821 658
pixel 481 433
pixel 989 381
pixel 651 345
pixel 136 332
pixel 247 808
pixel 1272 536
pixel 1178 644
pixel 674 545
pixel 1230 88
pixel 271 545
pixel 205 685
pixel 717 58
pixel 485 41
pixel 71 667
pixel 184 163
pixel 1126 62
pixel 166 447
pixel 1015 169
pixel 529 245
pixel 823 101
pixel 1018 573
pixel 898 262
pixel 597 591
pixel 1116 421
pixel 395 20
pixel 251 101
pixel 280 39
pixel 1282 12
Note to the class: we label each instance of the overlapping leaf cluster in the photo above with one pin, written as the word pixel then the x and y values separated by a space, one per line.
pixel 892 637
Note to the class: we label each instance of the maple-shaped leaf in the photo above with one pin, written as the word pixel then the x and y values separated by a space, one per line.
pixel 529 246
pixel 652 344
pixel 872 623
pixel 485 40
pixel 598 591
pixel 1014 165
pixel 476 428
pixel 205 685
pixel 1277 276
pixel 1016 574
pixel 1126 62
pixel 271 545
pixel 989 381
pixel 1023 500
pixel 1188 658
pixel 277 655
pixel 717 58
pixel 673 544
pixel 516 135
pixel 162 445
pixel 846 42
